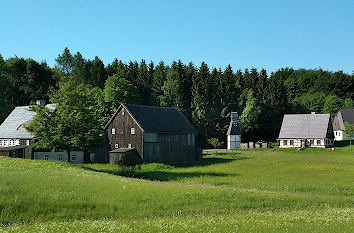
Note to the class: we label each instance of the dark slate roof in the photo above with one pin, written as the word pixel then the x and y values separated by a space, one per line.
pixel 158 119
pixel 234 129
pixel 306 126
pixel 347 115
pixel 19 116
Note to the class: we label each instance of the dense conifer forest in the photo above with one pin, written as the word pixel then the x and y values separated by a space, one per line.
pixel 205 95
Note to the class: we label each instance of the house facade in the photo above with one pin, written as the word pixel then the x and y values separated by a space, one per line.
pixel 12 130
pixel 306 130
pixel 15 140
pixel 233 133
pixel 158 134
pixel 342 116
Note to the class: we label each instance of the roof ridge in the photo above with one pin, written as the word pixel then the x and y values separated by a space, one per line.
pixel 150 106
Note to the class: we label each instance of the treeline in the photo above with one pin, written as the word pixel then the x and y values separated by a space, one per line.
pixel 205 95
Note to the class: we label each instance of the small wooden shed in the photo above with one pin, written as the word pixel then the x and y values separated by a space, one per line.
pixel 116 155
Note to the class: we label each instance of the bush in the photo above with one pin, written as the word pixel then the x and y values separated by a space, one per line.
pixel 129 162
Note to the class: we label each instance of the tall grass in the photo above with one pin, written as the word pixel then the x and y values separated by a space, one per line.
pixel 268 190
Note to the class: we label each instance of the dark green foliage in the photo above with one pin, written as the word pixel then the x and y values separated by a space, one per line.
pixel 75 125
pixel 129 162
pixel 205 95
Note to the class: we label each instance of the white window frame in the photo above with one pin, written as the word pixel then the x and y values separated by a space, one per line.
pixel 116 146
pixel 123 113
pixel 129 145
pixel 132 130
pixel 113 130
pixel 27 142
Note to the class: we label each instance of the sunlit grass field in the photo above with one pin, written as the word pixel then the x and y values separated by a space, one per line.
pixel 267 190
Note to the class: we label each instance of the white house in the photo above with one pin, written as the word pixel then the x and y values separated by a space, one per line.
pixel 342 116
pixel 300 130
pixel 233 133
pixel 14 136
pixel 12 130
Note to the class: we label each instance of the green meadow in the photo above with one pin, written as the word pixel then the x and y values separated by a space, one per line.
pixel 267 190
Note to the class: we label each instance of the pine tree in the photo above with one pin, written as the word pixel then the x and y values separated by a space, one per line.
pixel 64 62
pixel 158 82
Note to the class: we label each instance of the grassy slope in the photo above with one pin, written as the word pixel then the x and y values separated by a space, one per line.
pixel 267 190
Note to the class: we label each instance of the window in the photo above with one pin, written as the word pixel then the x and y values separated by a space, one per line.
pixel 318 142
pixel 46 157
pixel 129 145
pixel 285 142
pixel 113 131
pixel 116 146
pixel 291 142
pixel 123 113
pixel 336 133
pixel 132 131
pixel 311 141
pixel 27 142
pixel 73 157
pixel 60 158
pixel 339 133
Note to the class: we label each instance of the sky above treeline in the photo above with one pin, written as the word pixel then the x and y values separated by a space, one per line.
pixel 263 34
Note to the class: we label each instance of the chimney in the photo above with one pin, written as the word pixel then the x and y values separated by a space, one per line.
pixel 234 116
pixel 40 102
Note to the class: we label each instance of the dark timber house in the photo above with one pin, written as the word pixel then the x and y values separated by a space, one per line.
pixel 159 134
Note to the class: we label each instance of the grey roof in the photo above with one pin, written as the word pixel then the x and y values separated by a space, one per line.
pixel 19 116
pixel 342 116
pixel 122 150
pixel 306 126
pixel 234 129
pixel 158 119
pixel 347 115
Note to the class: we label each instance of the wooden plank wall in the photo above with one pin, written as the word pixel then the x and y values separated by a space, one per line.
pixel 123 137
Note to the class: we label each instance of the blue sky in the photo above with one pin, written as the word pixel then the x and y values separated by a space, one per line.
pixel 263 34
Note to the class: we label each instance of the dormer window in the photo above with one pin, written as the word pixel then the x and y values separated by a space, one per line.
pixel 22 127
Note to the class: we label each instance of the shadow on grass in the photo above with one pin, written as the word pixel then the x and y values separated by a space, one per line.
pixel 208 161
pixel 168 175
pixel 341 143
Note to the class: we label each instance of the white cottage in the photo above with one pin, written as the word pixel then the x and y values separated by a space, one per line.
pixel 300 130
pixel 342 116
pixel 233 133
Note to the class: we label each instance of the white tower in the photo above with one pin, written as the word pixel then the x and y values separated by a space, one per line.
pixel 233 133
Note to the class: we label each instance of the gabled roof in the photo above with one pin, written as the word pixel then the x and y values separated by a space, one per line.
pixel 19 116
pixel 234 129
pixel 347 115
pixel 157 119
pixel 306 126
pixel 343 115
